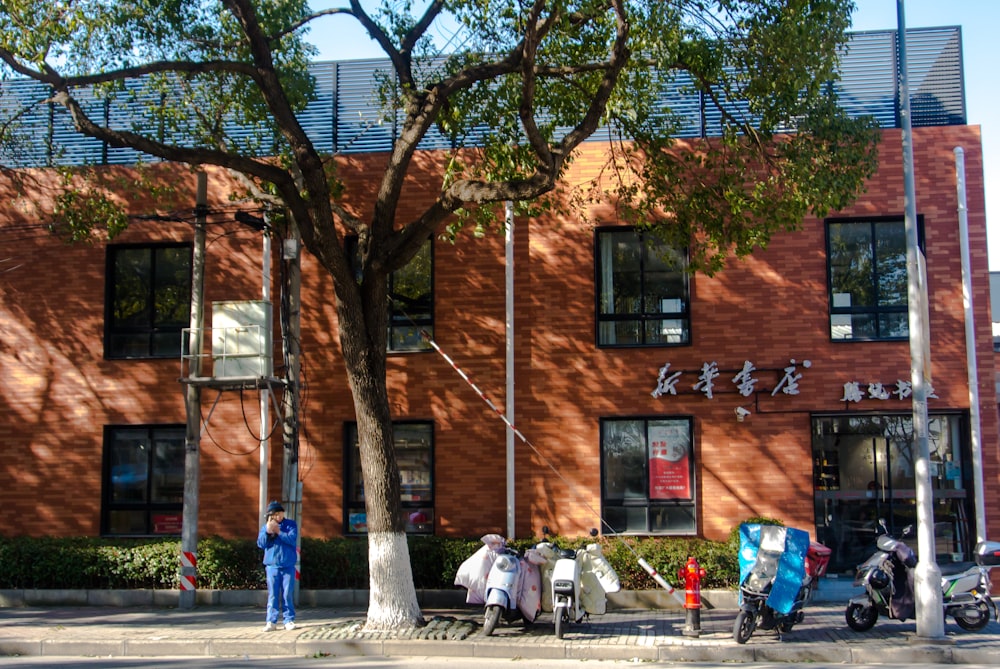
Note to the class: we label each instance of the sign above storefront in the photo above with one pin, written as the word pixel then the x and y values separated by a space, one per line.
pixel 745 380
pixel 854 391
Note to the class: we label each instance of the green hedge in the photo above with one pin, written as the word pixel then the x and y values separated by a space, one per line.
pixel 341 563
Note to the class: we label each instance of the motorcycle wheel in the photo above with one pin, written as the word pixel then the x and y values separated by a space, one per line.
pixel 861 617
pixel 744 626
pixel 973 624
pixel 561 618
pixel 492 618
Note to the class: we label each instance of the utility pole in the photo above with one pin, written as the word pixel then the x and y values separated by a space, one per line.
pixel 927 576
pixel 509 291
pixel 192 407
pixel 291 488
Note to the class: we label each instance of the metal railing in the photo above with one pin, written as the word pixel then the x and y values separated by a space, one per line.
pixel 345 116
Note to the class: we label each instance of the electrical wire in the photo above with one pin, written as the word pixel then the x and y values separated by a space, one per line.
pixel 642 562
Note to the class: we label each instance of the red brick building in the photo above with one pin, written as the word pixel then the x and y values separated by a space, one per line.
pixel 660 403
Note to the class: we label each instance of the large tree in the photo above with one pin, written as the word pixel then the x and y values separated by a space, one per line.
pixel 532 80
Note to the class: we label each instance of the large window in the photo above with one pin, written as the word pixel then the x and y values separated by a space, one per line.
pixel 143 480
pixel 148 300
pixel 411 298
pixel 415 457
pixel 647 475
pixel 642 294
pixel 864 471
pixel 868 279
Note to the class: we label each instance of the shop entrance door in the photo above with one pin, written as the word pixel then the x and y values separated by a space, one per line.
pixel 864 472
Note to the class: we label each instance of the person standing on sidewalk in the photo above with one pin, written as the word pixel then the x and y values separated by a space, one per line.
pixel 278 538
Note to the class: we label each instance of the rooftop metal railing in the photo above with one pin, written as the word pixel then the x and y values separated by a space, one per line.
pixel 345 117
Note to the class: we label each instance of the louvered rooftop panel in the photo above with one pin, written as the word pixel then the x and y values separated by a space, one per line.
pixel 70 147
pixel 867 86
pixel 346 116
pixel 361 126
pixel 317 118
pixel 133 110
pixel 21 105
pixel 937 93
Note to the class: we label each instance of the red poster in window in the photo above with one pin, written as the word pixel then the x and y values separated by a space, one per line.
pixel 669 464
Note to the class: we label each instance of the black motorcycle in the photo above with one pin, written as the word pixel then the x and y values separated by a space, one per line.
pixel 774 591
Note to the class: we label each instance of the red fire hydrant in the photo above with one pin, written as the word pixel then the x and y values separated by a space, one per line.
pixel 691 574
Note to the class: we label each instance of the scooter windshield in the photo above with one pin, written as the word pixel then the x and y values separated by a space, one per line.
pixel 775 554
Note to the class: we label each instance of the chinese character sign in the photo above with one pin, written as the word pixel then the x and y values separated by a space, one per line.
pixel 856 391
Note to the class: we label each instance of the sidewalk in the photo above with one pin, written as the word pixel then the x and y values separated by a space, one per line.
pixel 621 634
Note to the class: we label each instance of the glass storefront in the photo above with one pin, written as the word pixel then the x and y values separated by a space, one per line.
pixel 863 471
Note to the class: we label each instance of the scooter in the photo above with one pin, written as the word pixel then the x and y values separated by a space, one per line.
pixel 579 581
pixel 503 585
pixel 966 588
pixel 496 576
pixel 779 567
pixel 887 577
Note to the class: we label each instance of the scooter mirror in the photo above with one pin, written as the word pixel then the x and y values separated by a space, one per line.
pixel 593 531
pixel 545 530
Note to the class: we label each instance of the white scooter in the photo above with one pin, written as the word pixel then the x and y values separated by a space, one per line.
pixel 567 572
pixel 502 588
pixel 507 584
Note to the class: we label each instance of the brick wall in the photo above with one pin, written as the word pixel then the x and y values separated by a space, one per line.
pixel 771 308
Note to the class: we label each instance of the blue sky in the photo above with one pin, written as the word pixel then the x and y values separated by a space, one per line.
pixel 979 20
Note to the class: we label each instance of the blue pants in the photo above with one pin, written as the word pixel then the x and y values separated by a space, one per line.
pixel 280 593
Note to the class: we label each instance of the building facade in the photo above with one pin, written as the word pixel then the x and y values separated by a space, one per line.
pixel 652 402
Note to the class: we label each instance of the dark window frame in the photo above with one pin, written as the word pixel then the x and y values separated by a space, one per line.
pixel 403 326
pixel 151 330
pixel 649 505
pixel 171 511
pixel 644 318
pixel 878 312
pixel 418 521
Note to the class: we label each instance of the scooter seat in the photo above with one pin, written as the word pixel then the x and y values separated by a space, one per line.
pixel 566 553
pixel 952 568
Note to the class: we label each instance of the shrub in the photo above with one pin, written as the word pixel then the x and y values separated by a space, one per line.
pixel 340 563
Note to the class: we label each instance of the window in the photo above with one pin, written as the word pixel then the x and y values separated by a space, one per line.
pixel 143 480
pixel 647 475
pixel 642 295
pixel 868 279
pixel 864 471
pixel 415 456
pixel 148 300
pixel 411 299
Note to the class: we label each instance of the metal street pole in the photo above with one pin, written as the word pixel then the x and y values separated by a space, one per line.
pixel 509 290
pixel 265 392
pixel 927 577
pixel 975 424
pixel 291 488
pixel 192 407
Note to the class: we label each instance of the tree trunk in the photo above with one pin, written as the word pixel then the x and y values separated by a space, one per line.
pixel 393 597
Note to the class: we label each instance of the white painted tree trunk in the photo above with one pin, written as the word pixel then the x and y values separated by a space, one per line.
pixel 392 600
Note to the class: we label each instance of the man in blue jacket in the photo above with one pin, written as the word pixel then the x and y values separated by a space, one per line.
pixel 278 538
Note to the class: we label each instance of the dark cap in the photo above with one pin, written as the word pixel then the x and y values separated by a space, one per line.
pixel 274 507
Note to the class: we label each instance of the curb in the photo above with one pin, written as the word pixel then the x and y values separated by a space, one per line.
pixel 830 591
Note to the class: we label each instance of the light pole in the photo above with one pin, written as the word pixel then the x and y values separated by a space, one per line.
pixel 927 577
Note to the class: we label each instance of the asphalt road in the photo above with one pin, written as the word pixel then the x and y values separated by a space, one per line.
pixel 378 662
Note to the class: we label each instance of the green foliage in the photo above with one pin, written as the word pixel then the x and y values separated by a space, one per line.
pixel 667 557
pixel 327 564
pixel 734 534
pixel 334 564
pixel 228 564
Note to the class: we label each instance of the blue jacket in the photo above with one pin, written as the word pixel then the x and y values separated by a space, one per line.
pixel 279 550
